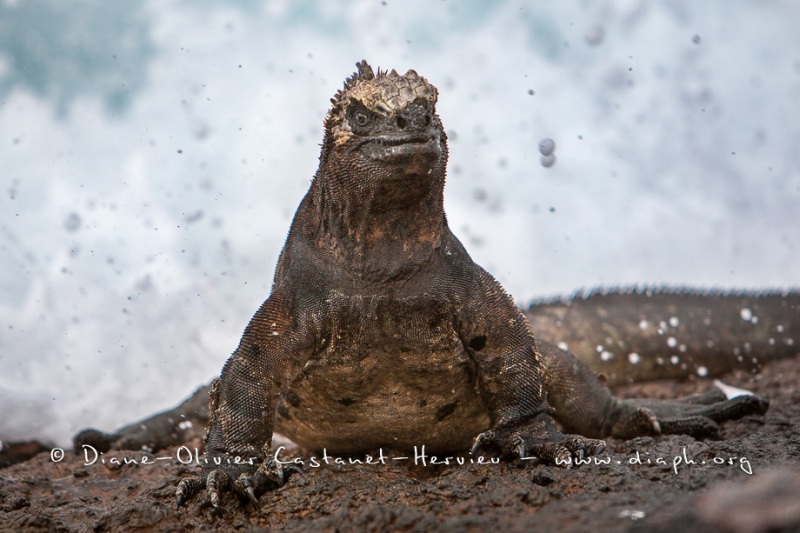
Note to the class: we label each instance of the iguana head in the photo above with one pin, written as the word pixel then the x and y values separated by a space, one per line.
pixel 386 118
pixel 376 201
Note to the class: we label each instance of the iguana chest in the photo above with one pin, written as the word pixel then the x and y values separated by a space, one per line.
pixel 390 372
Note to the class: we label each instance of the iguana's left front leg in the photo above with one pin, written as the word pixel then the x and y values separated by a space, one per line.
pixel 511 380
pixel 583 404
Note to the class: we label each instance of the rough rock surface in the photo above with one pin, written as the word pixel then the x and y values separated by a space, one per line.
pixel 624 495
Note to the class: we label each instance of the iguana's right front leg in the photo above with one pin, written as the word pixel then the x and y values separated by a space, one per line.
pixel 273 350
pixel 583 404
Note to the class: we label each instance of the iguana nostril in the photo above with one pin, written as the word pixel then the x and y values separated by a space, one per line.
pixel 401 123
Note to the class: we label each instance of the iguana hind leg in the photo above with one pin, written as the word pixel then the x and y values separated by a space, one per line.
pixel 584 405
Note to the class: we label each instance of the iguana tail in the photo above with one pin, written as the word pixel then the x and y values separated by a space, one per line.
pixel 641 334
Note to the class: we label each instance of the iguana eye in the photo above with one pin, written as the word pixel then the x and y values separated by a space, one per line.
pixel 361 118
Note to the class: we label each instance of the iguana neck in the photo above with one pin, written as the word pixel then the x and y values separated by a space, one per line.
pixel 381 232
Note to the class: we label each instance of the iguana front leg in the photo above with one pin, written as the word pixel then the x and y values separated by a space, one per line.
pixel 273 350
pixel 511 379
pixel 583 404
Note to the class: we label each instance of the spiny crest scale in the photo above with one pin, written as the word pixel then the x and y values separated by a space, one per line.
pixel 384 92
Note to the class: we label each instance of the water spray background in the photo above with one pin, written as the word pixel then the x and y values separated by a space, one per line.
pixel 152 158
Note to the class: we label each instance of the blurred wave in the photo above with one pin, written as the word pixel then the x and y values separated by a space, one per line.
pixel 61 51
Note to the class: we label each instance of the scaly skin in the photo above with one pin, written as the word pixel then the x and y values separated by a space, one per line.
pixel 643 334
pixel 675 333
pixel 382 332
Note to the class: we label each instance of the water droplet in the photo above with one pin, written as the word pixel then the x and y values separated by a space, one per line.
pixel 606 356
pixel 73 222
pixel 563 346
pixel 634 358
pixel 672 342
pixel 674 322
pixel 702 371
pixel 595 35
pixel 547 146
pixel 746 314
pixel 548 161
pixel 674 359
pixel 643 325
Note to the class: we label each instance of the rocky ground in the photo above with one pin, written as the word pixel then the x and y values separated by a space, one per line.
pixel 748 482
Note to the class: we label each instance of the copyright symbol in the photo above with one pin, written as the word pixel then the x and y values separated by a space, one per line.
pixel 56 455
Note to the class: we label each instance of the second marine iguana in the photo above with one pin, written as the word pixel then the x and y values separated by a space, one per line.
pixel 382 332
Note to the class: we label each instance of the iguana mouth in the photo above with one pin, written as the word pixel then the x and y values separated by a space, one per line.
pixel 388 147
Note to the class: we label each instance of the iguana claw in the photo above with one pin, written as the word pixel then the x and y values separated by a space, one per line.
pixel 243 486
pixel 553 449
pixel 480 440
pixel 187 488
pixel 217 481
pixel 247 485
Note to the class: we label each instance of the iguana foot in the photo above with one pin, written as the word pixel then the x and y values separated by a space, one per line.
pixel 244 482
pixel 539 441
pixel 696 415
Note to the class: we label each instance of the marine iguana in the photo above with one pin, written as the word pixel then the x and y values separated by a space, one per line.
pixel 380 330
